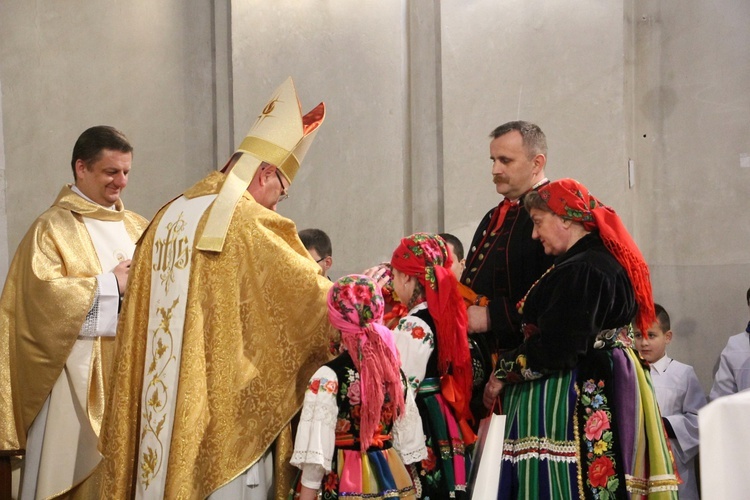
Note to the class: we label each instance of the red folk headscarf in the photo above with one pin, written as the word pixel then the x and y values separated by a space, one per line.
pixel 355 307
pixel 425 257
pixel 571 200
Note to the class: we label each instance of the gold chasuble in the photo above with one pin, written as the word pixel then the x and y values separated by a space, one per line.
pixel 255 329
pixel 49 290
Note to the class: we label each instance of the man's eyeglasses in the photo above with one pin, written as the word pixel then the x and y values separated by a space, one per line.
pixel 284 194
pixel 320 260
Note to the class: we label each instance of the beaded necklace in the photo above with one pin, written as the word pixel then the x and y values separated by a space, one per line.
pixel 521 302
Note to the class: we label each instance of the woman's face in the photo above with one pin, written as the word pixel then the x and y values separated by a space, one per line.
pixel 551 230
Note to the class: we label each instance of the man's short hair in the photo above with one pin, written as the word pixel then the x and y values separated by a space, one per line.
pixel 318 240
pixel 534 140
pixel 90 144
pixel 663 318
pixel 748 296
pixel 456 243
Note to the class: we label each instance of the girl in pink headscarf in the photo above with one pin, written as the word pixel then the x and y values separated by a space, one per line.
pixel 359 425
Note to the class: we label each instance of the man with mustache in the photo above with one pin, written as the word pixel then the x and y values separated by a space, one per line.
pixel 503 260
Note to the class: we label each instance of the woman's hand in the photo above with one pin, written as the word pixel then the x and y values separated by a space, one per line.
pixel 491 391
pixel 307 493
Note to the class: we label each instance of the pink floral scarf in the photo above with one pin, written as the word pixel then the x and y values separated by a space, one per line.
pixel 355 307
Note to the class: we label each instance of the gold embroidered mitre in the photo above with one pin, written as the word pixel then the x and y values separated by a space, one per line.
pixel 280 136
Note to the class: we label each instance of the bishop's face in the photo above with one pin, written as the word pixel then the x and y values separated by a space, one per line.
pixel 272 188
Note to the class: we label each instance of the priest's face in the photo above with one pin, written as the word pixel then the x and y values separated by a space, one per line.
pixel 513 170
pixel 551 230
pixel 104 179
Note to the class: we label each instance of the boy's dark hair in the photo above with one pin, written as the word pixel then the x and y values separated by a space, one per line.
pixel 318 240
pixel 92 141
pixel 458 248
pixel 663 318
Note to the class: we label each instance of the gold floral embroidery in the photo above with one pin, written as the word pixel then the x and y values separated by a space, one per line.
pixel 154 412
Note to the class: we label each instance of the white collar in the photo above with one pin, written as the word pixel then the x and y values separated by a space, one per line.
pixel 77 191
pixel 662 364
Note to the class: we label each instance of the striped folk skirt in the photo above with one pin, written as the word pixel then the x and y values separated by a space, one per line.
pixel 594 432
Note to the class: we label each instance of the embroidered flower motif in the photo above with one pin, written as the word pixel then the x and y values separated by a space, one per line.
pixel 600 471
pixel 589 387
pixel 332 482
pixel 417 332
pixel 601 477
pixel 331 386
pixel 428 463
pixel 509 371
pixel 596 424
pixel 600 447
pixel 314 385
pixel 353 393
pixel 597 401
pixel 343 425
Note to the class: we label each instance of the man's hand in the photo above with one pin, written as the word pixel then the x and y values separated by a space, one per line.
pixel 491 391
pixel 479 319
pixel 121 273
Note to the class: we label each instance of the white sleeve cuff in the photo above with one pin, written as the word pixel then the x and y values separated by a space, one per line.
pixel 109 302
pixel 312 476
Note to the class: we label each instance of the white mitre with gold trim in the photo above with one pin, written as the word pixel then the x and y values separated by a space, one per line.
pixel 280 136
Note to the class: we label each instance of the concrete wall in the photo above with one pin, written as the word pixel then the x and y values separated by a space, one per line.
pixel 552 63
pixel 412 89
pixel 143 67
pixel 691 145
pixel 352 56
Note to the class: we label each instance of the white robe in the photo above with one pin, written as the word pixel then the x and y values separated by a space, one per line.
pixel 62 445
pixel 725 439
pixel 680 396
pixel 733 374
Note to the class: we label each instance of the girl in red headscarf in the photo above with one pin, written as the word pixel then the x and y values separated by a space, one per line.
pixel 359 423
pixel 434 350
pixel 582 418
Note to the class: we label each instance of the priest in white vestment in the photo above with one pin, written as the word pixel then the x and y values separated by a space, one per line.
pixel 58 317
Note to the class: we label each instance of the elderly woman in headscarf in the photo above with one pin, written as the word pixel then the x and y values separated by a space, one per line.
pixel 582 420
pixel 434 349
pixel 359 424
